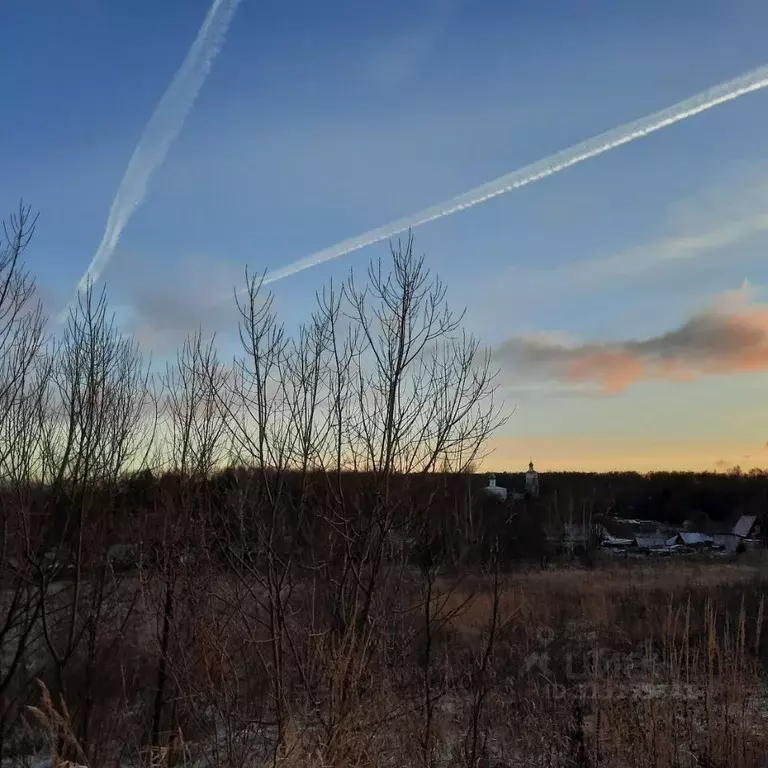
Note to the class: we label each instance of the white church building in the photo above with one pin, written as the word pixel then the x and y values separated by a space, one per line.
pixel 494 490
pixel 531 486
pixel 532 481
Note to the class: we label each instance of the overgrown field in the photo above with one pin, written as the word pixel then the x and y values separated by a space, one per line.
pixel 638 666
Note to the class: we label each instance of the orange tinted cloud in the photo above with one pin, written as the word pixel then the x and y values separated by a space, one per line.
pixel 729 337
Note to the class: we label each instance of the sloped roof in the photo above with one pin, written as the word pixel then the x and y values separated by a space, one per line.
pixel 650 541
pixel 744 525
pixel 691 538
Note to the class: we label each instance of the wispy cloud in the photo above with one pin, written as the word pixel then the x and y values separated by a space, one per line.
pixel 728 215
pixel 162 309
pixel 730 336
pixel 392 63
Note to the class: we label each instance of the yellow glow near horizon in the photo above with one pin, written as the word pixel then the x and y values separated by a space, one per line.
pixel 603 454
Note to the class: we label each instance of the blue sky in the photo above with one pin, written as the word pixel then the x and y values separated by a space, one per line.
pixel 320 121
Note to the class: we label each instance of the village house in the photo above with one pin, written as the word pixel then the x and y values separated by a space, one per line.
pixel 747 527
pixel 690 539
pixel 728 542
pixel 650 542
pixel 745 534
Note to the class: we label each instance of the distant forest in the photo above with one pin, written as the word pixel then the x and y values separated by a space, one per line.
pixel 672 497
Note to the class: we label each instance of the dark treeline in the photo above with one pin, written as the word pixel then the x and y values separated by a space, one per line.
pixel 143 513
pixel 669 497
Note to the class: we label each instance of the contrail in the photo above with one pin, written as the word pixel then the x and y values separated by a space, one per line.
pixel 597 145
pixel 161 131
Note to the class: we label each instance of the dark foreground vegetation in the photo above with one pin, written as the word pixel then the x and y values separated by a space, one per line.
pixel 342 594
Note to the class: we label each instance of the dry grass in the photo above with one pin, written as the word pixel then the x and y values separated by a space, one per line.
pixel 645 666
pixel 56 724
pixel 655 666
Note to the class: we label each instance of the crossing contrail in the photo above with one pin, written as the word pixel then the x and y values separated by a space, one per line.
pixel 161 131
pixel 754 80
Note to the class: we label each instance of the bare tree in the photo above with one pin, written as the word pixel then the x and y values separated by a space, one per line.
pixel 21 316
pixel 424 400
pixel 22 379
pixel 104 414
pixel 425 388
pixel 380 379
pixel 271 415
pixel 97 422
pixel 196 387
pixel 425 394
